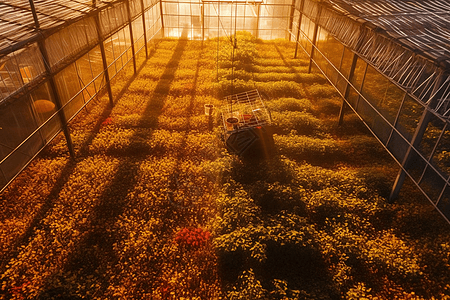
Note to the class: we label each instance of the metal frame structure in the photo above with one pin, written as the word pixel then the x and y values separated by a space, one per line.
pixel 246 124
pixel 390 63
pixel 388 59
pixel 247 109
pixel 43 44
pixel 55 58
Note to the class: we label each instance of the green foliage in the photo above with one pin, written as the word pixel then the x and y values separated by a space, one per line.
pixel 304 147
pixel 122 220
pixel 300 121
pixel 320 91
pixel 289 104
pixel 247 287
pixel 239 52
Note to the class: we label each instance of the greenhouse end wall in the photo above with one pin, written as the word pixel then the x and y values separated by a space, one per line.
pixel 399 95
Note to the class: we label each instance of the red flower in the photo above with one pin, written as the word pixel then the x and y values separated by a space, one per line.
pixel 107 121
pixel 192 238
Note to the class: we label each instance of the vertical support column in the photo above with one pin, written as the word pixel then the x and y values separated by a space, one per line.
pixel 291 20
pixel 314 41
pixel 258 16
pixel 104 62
pixel 145 28
pixel 133 51
pixel 52 82
pixel 415 141
pixel 218 39
pixel 299 26
pixel 202 12
pixel 347 88
pixel 162 17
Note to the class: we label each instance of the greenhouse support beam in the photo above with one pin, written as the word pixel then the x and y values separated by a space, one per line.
pixel 347 88
pixel 104 62
pixel 443 192
pixel 291 19
pixel 144 28
pixel 133 51
pixel 52 82
pixel 314 41
pixel 415 142
pixel 299 26
pixel 202 11
pixel 58 102
pixel 258 14
pixel 162 18
pixel 33 12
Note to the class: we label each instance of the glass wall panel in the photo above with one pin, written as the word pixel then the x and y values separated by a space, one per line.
pixel 416 165
pixel 135 7
pixel 126 45
pixel 441 157
pixel 138 34
pixel 353 97
pixel 305 43
pixel 118 51
pixel 307 27
pixel 366 111
pixel 398 146
pixel 383 94
pixel 18 159
pixel 330 47
pixel 96 62
pixel 320 60
pixel 409 117
pixel 374 85
pixel 381 128
pixel 431 135
pixel 17 121
pixel 341 84
pixel 85 75
pixel 358 76
pixel 45 109
pixel 295 24
pixel 110 56
pixel 152 21
pixel 112 18
pixel 444 203
pixel 69 87
pixel 19 68
pixel 274 20
pixel 432 184
pixel 346 62
pixel 390 104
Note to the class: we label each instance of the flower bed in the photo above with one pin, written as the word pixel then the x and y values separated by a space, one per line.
pixel 153 207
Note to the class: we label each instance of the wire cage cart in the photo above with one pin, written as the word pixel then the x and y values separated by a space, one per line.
pixel 247 124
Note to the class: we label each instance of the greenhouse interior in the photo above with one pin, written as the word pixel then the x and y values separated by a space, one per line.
pixel 225 149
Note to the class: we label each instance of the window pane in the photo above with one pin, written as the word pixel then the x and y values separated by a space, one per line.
pixel 431 135
pixel 432 184
pixel 441 158
pixel 45 108
pixel 398 146
pixel 444 203
pixel 69 87
pixel 358 76
pixel 409 117
pixel 346 63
